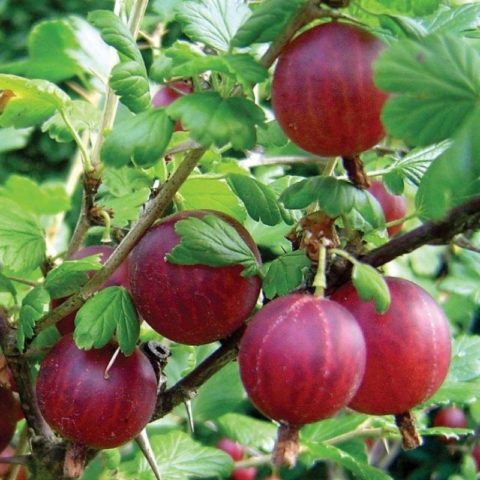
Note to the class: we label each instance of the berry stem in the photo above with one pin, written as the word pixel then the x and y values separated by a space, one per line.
pixel 355 171
pixel 406 425
pixel 320 280
pixel 287 446
pixel 75 459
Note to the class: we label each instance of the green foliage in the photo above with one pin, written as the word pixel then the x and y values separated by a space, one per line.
pixel 180 458
pixel 433 102
pixel 212 241
pixel 110 310
pixel 213 22
pixel 285 274
pixel 370 285
pixel 213 119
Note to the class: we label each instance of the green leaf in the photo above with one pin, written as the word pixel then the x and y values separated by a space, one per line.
pixel 437 82
pixel 14 139
pixel 40 200
pixel 212 241
pixel 412 166
pixel 109 310
pixel 124 180
pixel 267 21
pixel 330 428
pixel 213 119
pixel 453 178
pixel 34 306
pixel 259 200
pixel 247 430
pixel 457 19
pixel 213 22
pixel 70 276
pixel 6 285
pixel 462 384
pixel 361 470
pixel 203 193
pixel 335 197
pixel 129 81
pixel 22 242
pixel 129 77
pixel 221 394
pixel 126 208
pixel 371 285
pixel 83 116
pixel 271 135
pixel 179 457
pixel 285 274
pixel 34 101
pixel 142 139
pixel 165 9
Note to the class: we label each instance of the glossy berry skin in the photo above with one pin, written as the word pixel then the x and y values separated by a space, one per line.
pixel 249 473
pixel 79 403
pixel 8 416
pixel 119 277
pixel 323 93
pixel 394 206
pixel 452 417
pixel 167 94
pixel 408 348
pixel 301 359
pixel 190 304
pixel 234 449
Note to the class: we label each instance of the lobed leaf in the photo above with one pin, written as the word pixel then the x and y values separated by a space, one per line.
pixel 370 285
pixel 212 241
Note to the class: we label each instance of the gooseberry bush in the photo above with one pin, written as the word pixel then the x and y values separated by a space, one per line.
pixel 263 258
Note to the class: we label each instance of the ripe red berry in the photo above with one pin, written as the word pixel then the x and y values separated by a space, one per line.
pixel 118 277
pixel 8 416
pixel 301 359
pixel 191 304
pixel 168 93
pixel 234 449
pixel 394 206
pixel 323 93
pixel 452 417
pixel 248 473
pixel 408 348
pixel 84 405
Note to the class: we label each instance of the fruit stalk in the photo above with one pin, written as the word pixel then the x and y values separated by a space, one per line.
pixel 287 446
pixel 406 425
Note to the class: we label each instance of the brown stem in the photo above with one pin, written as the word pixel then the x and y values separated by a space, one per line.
pixel 355 171
pixel 75 460
pixel 287 446
pixel 187 387
pixel 406 425
pixel 460 219
pixel 152 213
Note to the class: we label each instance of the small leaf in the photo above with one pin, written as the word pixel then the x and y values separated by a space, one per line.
pixel 33 102
pixel 38 199
pixel 126 208
pixel 129 81
pixel 179 457
pixel 212 119
pixel 267 21
pixel 6 285
pixel 109 310
pixel 319 432
pixel 142 139
pixel 70 276
pixel 285 274
pixel 213 22
pixel 34 306
pixel 457 19
pixel 212 241
pixel 335 197
pixel 203 193
pixel 259 200
pixel 370 285
pixel 129 77
pixel 432 101
pixel 14 139
pixel 83 116
pixel 22 242
pixel 361 469
pixel 247 430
